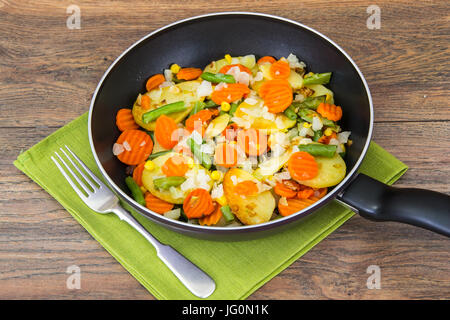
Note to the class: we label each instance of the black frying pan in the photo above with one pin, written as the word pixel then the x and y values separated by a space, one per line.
pixel 199 40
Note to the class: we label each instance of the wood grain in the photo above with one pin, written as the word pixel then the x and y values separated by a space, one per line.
pixel 48 74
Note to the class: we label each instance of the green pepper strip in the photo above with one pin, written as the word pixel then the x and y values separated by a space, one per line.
pixel 227 214
pixel 167 182
pixel 318 78
pixel 322 150
pixel 195 149
pixel 167 109
pixel 218 77
pixel 136 192
pixel 312 102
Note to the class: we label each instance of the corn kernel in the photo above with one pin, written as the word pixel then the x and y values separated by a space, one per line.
pixel 228 58
pixel 222 201
pixel 349 142
pixel 270 178
pixel 328 97
pixel 143 189
pixel 343 147
pixel 284 130
pixel 149 165
pixel 175 68
pixel 328 132
pixel 190 163
pixel 307 125
pixel 225 106
pixel 309 74
pixel 216 175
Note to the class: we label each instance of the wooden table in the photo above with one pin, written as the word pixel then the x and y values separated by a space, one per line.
pixel 48 74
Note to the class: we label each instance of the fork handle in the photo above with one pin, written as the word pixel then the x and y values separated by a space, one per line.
pixel 194 278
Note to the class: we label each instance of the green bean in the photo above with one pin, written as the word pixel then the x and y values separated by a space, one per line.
pixel 195 149
pixel 218 77
pixel 166 109
pixel 312 102
pixel 227 214
pixel 136 192
pixel 307 114
pixel 157 154
pixel 167 182
pixel 317 78
pixel 198 106
pixel 210 104
pixel 233 108
pixel 290 112
pixel 317 135
pixel 322 150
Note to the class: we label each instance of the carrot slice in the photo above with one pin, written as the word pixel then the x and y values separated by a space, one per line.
pixel 213 218
pixel 242 68
pixel 253 141
pixel 164 128
pixel 145 102
pixel 287 188
pixel 271 84
pixel 320 193
pixel 198 204
pixel 326 139
pixel 330 111
pixel 189 73
pixel 294 205
pixel 175 166
pixel 137 174
pixel 280 70
pixel 266 59
pixel 229 92
pixel 230 132
pixel 306 193
pixel 137 146
pixel 225 155
pixel 154 81
pixel 246 188
pixel 125 120
pixel 278 99
pixel 156 204
pixel 202 117
pixel 302 166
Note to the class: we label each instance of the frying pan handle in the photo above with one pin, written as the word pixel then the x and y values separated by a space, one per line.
pixel 377 201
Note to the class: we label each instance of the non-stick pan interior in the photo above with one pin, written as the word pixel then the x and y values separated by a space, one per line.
pixel 194 43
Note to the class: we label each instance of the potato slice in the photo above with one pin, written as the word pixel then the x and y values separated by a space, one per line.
pixel 217 125
pixel 176 195
pixel 272 165
pixel 184 91
pixel 320 90
pixel 331 172
pixel 252 209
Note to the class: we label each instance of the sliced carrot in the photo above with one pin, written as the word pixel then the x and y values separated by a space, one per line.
pixel 189 73
pixel 306 193
pixel 253 141
pixel 330 111
pixel 242 68
pixel 137 174
pixel 154 81
pixel 271 84
pixel 278 99
pixel 280 70
pixel 175 166
pixel 302 166
pixel 320 193
pixel 145 102
pixel 213 218
pixel 231 131
pixel 229 92
pixel 199 120
pixel 225 155
pixel 294 205
pixel 156 204
pixel 246 188
pixel 198 204
pixel 287 188
pixel 164 128
pixel 266 59
pixel 125 120
pixel 326 139
pixel 137 146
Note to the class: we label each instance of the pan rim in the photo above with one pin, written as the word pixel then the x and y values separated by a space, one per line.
pixel 228 230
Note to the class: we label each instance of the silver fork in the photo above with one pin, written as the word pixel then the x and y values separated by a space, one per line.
pixel 102 200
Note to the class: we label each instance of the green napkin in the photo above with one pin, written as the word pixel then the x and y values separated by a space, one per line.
pixel 239 268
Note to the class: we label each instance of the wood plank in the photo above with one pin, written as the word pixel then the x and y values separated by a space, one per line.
pixel 406 67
